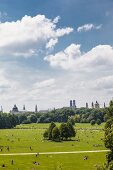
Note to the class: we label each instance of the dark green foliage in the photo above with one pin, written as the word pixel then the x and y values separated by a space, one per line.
pixel 52 125
pixel 45 135
pixel 71 130
pixel 33 118
pixel 92 122
pixel 65 131
pixel 22 117
pixel 65 114
pixel 110 167
pixel 8 120
pixel 26 121
pixel 71 120
pixel 75 115
pixel 55 134
pixel 98 122
pixel 109 137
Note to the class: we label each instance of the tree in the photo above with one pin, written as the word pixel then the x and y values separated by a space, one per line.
pixel 71 120
pixel 33 118
pixel 64 131
pixel 52 125
pixel 22 118
pixel 92 122
pixel 109 136
pixel 71 130
pixel 45 135
pixel 98 121
pixel 55 134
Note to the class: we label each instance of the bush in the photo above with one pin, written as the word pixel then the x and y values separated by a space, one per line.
pixel 98 122
pixel 45 135
pixel 55 134
pixel 92 122
pixel 26 121
pixel 110 167
pixel 52 125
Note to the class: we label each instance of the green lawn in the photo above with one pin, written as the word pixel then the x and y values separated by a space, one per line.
pixel 23 137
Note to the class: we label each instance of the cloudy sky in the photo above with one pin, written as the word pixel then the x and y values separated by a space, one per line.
pixel 54 51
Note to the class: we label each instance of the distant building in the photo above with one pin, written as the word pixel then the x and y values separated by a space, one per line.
pixel 1 111
pixel 36 109
pixel 104 105
pixel 43 111
pixel 87 105
pixel 15 109
pixel 97 106
pixel 92 105
pixel 74 103
pixel 24 107
pixel 71 104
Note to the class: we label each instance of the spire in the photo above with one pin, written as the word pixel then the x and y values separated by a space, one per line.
pixel 36 109
pixel 87 105
pixel 24 107
pixel 71 103
pixel 1 109
pixel 92 105
pixel 104 105
pixel 74 103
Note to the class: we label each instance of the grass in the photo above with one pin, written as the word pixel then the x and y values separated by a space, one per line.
pixel 25 136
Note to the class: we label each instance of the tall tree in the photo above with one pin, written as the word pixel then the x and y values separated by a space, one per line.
pixel 109 136
pixel 64 131
pixel 71 130
pixel 55 134
pixel 52 125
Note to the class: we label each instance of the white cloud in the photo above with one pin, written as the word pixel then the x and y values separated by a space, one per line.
pixel 88 27
pixel 51 43
pixel 56 19
pixel 105 83
pixel 73 59
pixel 44 84
pixel 28 35
pixel 88 74
pixel 65 59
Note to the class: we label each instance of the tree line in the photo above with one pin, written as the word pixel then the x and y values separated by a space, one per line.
pixel 75 115
pixel 8 120
pixel 79 115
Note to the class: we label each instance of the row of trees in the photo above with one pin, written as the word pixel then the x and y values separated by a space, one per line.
pixel 81 115
pixel 8 120
pixel 64 132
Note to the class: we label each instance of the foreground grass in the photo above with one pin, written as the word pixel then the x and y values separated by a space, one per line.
pixel 25 136
pixel 54 162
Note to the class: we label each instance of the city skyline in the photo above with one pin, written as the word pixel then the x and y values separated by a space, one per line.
pixel 51 52
pixel 72 104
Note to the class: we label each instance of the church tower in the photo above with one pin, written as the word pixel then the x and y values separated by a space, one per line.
pixel 36 109
pixel 86 105
pixel 92 105
pixel 24 107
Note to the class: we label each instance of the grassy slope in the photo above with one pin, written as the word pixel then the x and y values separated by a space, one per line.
pixel 20 140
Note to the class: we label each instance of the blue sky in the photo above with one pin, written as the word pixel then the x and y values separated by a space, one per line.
pixel 73 13
pixel 48 62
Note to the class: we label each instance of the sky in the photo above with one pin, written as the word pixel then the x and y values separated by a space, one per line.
pixel 55 51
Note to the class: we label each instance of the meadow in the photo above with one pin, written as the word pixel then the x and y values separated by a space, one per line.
pixel 29 139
